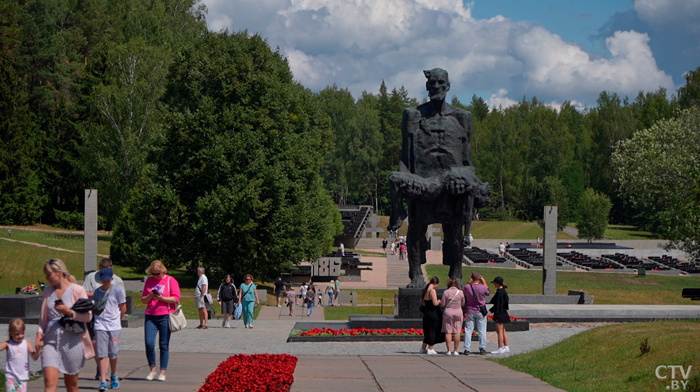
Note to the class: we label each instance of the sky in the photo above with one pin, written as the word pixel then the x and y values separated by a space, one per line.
pixel 500 50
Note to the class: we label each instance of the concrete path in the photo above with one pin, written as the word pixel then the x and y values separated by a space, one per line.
pixel 397 272
pixel 572 231
pixel 187 372
pixel 416 373
pixel 275 313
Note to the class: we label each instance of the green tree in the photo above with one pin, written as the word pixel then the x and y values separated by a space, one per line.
pixel 235 184
pixel 21 199
pixel 658 171
pixel 689 95
pixel 593 215
pixel 128 122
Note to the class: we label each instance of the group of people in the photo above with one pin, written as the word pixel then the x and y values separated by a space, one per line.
pixel 244 300
pixel 398 245
pixel 444 319
pixel 306 296
pixel 82 322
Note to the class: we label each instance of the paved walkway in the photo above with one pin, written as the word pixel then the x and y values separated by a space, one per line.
pixel 187 372
pixel 387 365
pixel 397 271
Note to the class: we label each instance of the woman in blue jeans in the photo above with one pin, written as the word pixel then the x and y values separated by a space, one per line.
pixel 248 296
pixel 161 294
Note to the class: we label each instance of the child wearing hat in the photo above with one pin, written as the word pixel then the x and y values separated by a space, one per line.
pixel 500 315
pixel 108 326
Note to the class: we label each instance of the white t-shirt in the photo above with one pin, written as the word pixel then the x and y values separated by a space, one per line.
pixel 303 289
pixel 200 285
pixel 110 319
pixel 92 282
pixel 502 248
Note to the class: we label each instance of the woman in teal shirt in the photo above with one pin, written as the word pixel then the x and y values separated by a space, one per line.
pixel 248 296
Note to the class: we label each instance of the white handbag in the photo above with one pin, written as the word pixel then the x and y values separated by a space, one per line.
pixel 176 319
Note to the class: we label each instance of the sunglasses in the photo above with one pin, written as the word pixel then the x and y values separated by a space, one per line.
pixel 156 273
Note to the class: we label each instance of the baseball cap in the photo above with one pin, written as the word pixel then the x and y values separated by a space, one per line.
pixel 106 274
pixel 497 280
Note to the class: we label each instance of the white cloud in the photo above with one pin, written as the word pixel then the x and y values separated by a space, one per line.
pixel 663 12
pixel 499 100
pixel 358 43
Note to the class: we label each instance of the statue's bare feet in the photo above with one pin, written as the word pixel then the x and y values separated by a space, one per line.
pixel 417 283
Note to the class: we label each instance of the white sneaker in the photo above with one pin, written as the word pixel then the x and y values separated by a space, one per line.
pixel 506 349
pixel 498 352
pixel 250 325
pixel 448 353
pixel 432 352
pixel 423 351
pixel 151 376
pixel 161 377
pixel 455 353
pixel 279 306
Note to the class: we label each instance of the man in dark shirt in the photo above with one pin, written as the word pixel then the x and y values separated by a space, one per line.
pixel 279 290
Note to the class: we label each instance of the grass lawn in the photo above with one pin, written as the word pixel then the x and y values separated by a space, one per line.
pixel 342 312
pixel 374 297
pixel 70 241
pixel 510 230
pixel 367 253
pixel 622 232
pixel 609 358
pixel 22 265
pixel 607 288
pixel 494 230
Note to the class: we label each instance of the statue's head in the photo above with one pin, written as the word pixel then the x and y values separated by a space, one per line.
pixel 438 83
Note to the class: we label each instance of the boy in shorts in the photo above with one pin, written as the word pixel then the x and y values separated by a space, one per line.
pixel 108 326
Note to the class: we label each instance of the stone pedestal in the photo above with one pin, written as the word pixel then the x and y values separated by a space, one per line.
pixel 549 268
pixel 90 234
pixel 27 307
pixel 409 300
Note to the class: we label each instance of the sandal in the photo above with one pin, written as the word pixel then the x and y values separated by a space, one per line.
pixel 200 327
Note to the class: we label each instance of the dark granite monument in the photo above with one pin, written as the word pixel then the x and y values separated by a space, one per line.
pixel 436 177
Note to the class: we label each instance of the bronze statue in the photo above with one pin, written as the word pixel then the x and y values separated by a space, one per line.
pixel 436 176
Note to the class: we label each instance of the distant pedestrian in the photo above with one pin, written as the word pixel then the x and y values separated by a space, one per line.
pixel 475 293
pixel 500 315
pixel 402 251
pixel 337 291
pixel 248 296
pixel 329 291
pixel 539 242
pixel 108 327
pixel 161 294
pixel 227 297
pixel 501 249
pixel 320 297
pixel 384 243
pixel 310 299
pixel 453 302
pixel 278 289
pixel 200 291
pixel 19 350
pixel 507 247
pixel 471 240
pixel 63 351
pixel 393 248
pixel 292 299
pixel 432 318
pixel 302 293
pixel 342 249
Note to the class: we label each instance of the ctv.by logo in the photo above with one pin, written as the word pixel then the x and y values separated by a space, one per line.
pixel 662 374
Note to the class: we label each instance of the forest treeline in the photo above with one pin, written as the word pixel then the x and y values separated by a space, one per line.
pixel 532 154
pixel 186 132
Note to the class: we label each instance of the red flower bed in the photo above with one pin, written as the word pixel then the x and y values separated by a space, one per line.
pixel 252 373
pixel 361 331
